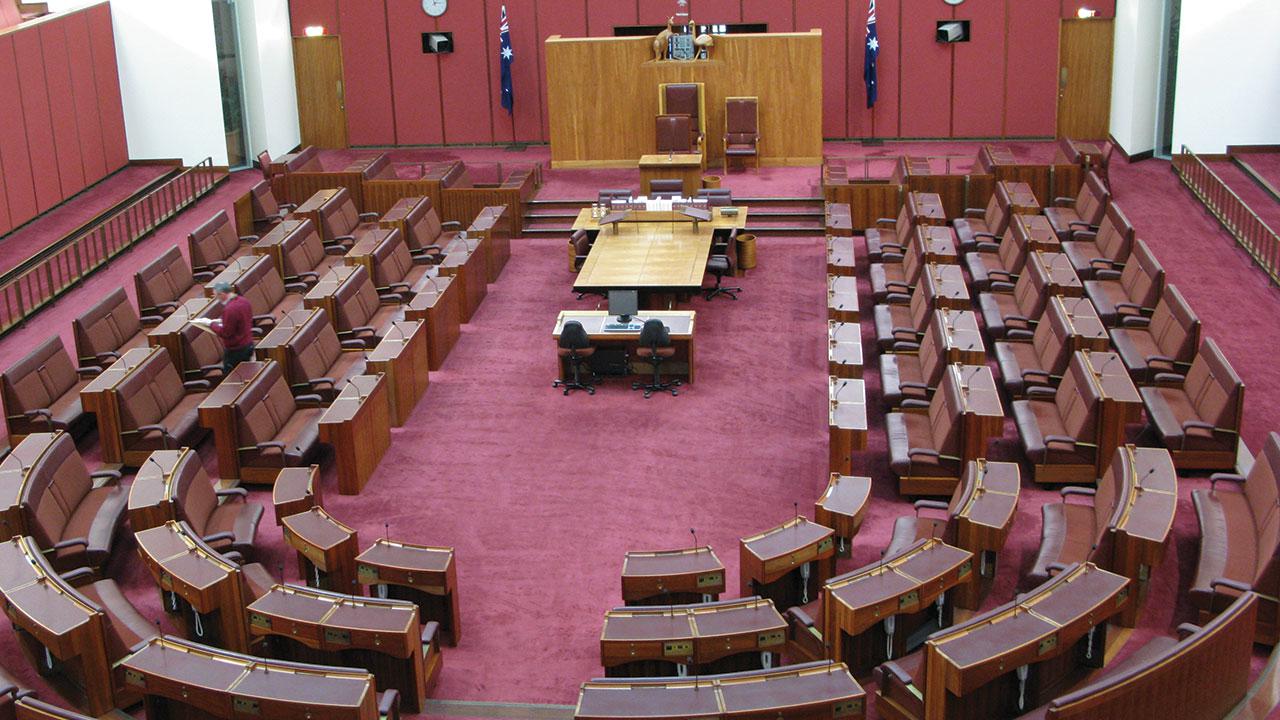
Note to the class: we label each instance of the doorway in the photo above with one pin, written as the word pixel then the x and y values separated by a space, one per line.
pixel 1084 78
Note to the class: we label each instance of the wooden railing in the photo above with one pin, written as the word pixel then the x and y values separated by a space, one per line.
pixel 1236 216
pixel 35 283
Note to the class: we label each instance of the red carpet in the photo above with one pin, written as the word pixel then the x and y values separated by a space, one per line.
pixel 543 494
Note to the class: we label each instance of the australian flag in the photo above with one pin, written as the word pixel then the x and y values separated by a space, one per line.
pixel 869 58
pixel 506 57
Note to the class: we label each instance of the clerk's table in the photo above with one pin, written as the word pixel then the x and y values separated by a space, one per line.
pixel 680 324
pixel 686 167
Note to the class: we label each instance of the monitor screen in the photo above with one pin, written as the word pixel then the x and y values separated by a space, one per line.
pixel 624 303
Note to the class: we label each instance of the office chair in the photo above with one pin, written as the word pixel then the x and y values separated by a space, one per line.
pixel 576 346
pixel 656 348
pixel 721 263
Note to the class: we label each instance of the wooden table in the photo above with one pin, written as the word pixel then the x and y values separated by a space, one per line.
pixel 15 469
pixel 767 559
pixel 837 219
pixel 844 349
pixel 217 412
pixel 944 285
pixel 686 167
pixel 1033 232
pixel 466 261
pixel 422 574
pixel 358 426
pixel 680 328
pixel 668 577
pixel 702 638
pixel 961 338
pixel 991 157
pixel 982 411
pixel 841 258
pixel 842 298
pixel 1022 199
pixel 312 206
pixel 402 357
pixel 439 304
pixel 983 508
pixel 846 422
pixel 361 252
pixel 168 334
pixel 1062 276
pixel 927 208
pixel 296 490
pixel 326 549
pixel 842 507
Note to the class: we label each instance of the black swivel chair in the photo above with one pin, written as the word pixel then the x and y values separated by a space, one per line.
pixel 720 263
pixel 655 348
pixel 576 347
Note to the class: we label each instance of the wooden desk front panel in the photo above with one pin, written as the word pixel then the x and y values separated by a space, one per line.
pixel 603 95
pixel 441 307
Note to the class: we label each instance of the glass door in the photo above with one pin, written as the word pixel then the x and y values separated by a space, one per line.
pixel 1168 79
pixel 227 38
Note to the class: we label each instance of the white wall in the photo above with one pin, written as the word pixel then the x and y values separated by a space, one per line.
pixel 169 79
pixel 1135 74
pixel 266 50
pixel 1228 85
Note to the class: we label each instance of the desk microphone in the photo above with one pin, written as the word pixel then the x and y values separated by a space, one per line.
pixel 1099 372
pixel 694 533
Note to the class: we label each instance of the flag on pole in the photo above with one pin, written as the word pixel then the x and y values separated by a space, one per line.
pixel 869 57
pixel 506 57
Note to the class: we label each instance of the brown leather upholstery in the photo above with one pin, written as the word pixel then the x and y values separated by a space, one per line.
pixel 716 197
pixel 579 246
pixel 10 692
pixel 926 444
pixel 319 363
pixel 1199 418
pixel 1082 213
pixel 1239 518
pixel 126 629
pixel 396 270
pixel 1013 315
pixel 70 516
pixel 215 244
pixel 222 518
pixel 165 283
pixel 424 232
pixel 904 375
pixel 306 258
pixel 266 292
pixel 1078 528
pixel 156 411
pixel 683 99
pixel 996 262
pixel 895 276
pixel 879 242
pixel 258 581
pixel 670 187
pixel 306 159
pixel 979 224
pixel 274 430
pixel 1132 292
pixel 41 392
pixel 1039 363
pixel 1166 342
pixel 361 312
pixel 341 222
pixel 201 354
pixel 1102 250
pixel 899 323
pixel 901 683
pixel 266 211
pixel 108 329
pixel 742 128
pixel 1060 427
pixel 671 134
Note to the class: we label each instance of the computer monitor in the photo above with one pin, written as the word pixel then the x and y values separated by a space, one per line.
pixel 624 304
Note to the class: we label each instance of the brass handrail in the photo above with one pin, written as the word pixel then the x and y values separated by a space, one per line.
pixel 1260 241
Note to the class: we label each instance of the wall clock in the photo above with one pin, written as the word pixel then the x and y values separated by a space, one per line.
pixel 953 2
pixel 435 8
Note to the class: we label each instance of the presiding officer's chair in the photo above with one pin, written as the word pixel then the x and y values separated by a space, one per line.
pixel 655 348
pixel 672 135
pixel 741 129
pixel 576 347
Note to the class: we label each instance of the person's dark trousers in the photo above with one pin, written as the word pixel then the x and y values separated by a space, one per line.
pixel 232 358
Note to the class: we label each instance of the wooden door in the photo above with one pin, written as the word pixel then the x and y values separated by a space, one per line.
pixel 322 110
pixel 1084 78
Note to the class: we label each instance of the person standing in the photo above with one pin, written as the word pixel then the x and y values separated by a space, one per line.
pixel 235 327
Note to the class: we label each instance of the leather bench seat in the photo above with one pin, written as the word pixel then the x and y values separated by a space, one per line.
pixel 267 293
pixel 1198 419
pixel 924 443
pixel 126 629
pixel 109 329
pixel 1039 363
pixel 1083 212
pixel 267 212
pixel 363 313
pixel 982 224
pixel 1132 292
pixel 201 354
pixel 994 261
pixel 222 518
pixel 274 430
pixel 1106 249
pixel 896 323
pixel 395 270
pixel 166 282
pixel 320 363
pixel 157 409
pixel 1165 342
pixel 1012 313
pixel 889 236
pixel 41 392
pixel 425 234
pixel 341 223
pixel 307 259
pixel 70 514
pixel 898 273
pixel 907 376
pixel 1059 428
pixel 216 244
pixel 1070 531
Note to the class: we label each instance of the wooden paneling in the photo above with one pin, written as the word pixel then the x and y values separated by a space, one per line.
pixel 321 107
pixel 469 107
pixel 925 81
pixel 979 72
pixel 1084 79
pixel 35 111
pixel 85 91
pixel 783 70
pixel 415 76
pixel 867 201
pixel 106 76
pixel 365 54
pixel 15 161
pixel 62 107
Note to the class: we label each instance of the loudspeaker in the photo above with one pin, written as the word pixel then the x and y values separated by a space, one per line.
pixel 437 43
pixel 953 31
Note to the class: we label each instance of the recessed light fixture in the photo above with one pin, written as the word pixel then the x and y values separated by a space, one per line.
pixel 313 30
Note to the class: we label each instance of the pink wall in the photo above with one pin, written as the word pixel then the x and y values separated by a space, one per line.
pixel 1002 83
pixel 60 110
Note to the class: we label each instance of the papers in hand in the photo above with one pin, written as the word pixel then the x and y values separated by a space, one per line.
pixel 201 321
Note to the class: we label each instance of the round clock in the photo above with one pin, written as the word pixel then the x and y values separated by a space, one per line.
pixel 435 8
pixel 953 2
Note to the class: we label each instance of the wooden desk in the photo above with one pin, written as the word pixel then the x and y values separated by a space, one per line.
pixel 685 167
pixel 1119 406
pixel 311 207
pixel 402 358
pixel 1022 199
pixel 844 349
pixel 724 636
pixel 466 261
pixel 1057 268
pixel 983 413
pixel 842 507
pixel 811 690
pixel 767 560
pixel 272 244
pixel 151 496
pixel 199 588
pixel 492 226
pixel 938 244
pixel 296 490
pixel 841 258
pixel 232 272
pixel 187 680
pixel 218 413
pixel 1034 232
pixel 837 219
pixel 439 304
pixel 680 328
pixel 101 398
pixel 846 422
pixel 926 208
pixel 982 509
pixel 842 298
pixel 945 287
pixel 56 619
pixel 906 587
pixel 961 338
pixel 321 295
pixel 383 637
pixel 15 469
pixel 358 426
pixel 1143 518
pixel 168 334
pixel 668 577
pixel 1085 330
pixel 326 549
pixel 421 574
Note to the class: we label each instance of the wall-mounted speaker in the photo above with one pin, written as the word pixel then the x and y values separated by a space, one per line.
pixel 437 43
pixel 953 31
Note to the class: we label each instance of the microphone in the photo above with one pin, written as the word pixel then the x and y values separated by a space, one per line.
pixel 694 533
pixel 386 531
pixel 1099 372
